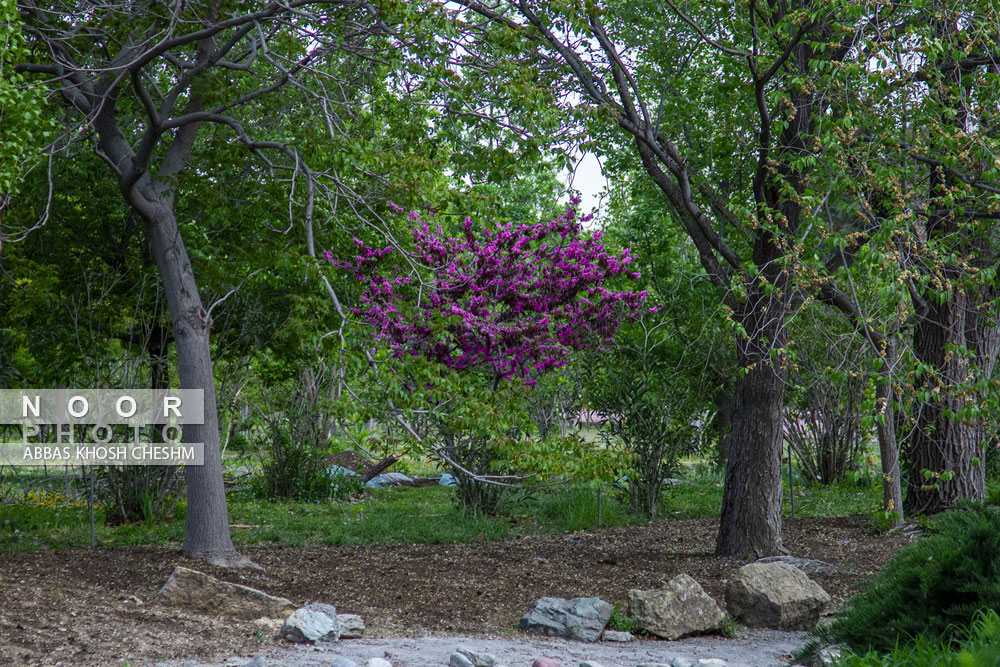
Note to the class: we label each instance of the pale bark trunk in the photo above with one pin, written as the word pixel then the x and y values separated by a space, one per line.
pixel 892 488
pixel 207 534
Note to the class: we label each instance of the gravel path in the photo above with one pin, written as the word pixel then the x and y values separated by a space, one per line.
pixel 751 648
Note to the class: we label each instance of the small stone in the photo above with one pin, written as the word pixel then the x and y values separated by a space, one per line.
pixel 826 656
pixel 617 636
pixel 378 662
pixel 545 662
pixel 352 626
pixel 590 663
pixel 459 660
pixel 311 623
pixel 258 661
pixel 681 662
pixel 712 662
pixel 476 659
pixel 344 662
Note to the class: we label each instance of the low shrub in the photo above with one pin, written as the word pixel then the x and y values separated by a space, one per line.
pixel 981 648
pixel 294 469
pixel 932 588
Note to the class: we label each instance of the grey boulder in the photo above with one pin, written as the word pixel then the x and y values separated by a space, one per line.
pixel 463 655
pixel 775 595
pixel 313 622
pixel 582 619
pixel 681 607
pixel 351 626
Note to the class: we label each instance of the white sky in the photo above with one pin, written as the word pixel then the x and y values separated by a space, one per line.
pixel 589 180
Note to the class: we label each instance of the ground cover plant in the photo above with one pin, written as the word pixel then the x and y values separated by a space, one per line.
pixel 934 588
pixel 979 645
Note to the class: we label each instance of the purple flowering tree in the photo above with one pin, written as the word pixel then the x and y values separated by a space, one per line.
pixel 506 303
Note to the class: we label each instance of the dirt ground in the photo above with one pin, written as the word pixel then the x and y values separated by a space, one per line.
pixel 95 607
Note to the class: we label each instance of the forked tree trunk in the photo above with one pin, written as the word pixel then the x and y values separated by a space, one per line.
pixel 957 337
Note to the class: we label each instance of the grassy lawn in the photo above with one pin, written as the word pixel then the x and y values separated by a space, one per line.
pixel 50 519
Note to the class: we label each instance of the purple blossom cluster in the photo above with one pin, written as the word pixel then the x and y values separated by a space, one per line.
pixel 516 298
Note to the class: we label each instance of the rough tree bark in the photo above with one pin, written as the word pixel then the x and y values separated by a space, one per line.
pixel 944 440
pixel 750 525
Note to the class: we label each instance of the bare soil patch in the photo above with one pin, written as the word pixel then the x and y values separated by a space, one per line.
pixel 96 606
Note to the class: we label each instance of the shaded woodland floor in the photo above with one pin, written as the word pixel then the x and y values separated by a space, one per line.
pixel 84 606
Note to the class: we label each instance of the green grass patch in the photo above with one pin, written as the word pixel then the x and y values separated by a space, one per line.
pixel 427 515
pixel 699 496
pixel 385 516
pixel 576 508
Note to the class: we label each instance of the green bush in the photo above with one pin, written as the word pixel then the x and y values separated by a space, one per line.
pixel 932 588
pixel 293 469
pixel 981 648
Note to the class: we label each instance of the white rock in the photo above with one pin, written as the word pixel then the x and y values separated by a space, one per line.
pixel 311 623
pixel 378 662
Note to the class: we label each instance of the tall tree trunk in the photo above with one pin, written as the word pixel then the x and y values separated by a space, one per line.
pixel 750 526
pixel 207 526
pixel 945 440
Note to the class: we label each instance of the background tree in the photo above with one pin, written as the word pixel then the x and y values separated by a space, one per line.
pixel 497 303
pixel 746 196
pixel 148 85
